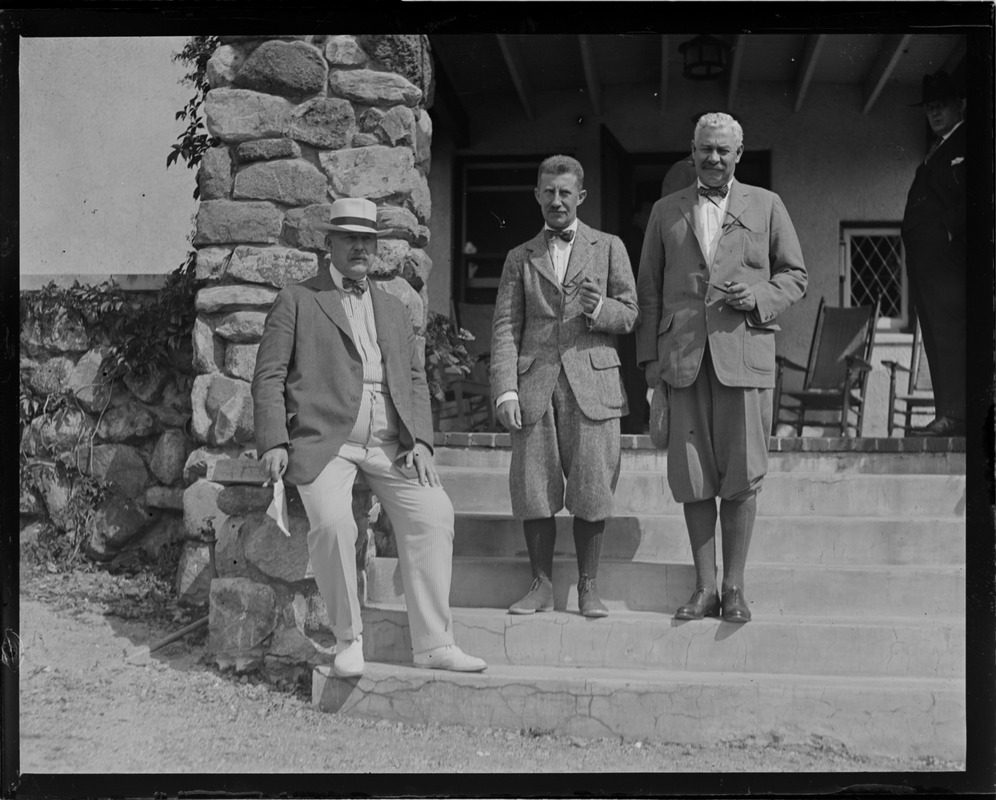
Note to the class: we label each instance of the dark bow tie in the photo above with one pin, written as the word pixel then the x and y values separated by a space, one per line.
pixel 714 191
pixel 565 234
pixel 357 287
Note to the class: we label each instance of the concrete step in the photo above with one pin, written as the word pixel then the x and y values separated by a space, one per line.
pixel 649 460
pixel 483 489
pixel 899 647
pixel 781 539
pixel 899 717
pixel 771 589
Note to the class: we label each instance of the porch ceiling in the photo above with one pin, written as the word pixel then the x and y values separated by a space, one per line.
pixel 527 65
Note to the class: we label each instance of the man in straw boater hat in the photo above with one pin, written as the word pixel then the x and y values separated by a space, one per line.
pixel 339 387
pixel 934 236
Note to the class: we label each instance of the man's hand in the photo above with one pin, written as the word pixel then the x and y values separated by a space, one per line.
pixel 425 465
pixel 510 416
pixel 653 373
pixel 590 294
pixel 275 463
pixel 741 297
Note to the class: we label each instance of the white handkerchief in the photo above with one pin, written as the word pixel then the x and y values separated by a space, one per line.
pixel 278 508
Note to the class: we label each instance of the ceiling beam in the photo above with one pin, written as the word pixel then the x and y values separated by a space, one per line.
pixel 814 44
pixel 591 73
pixel 885 64
pixel 517 71
pixel 739 46
pixel 665 72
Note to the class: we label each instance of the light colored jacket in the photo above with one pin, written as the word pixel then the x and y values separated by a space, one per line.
pixel 680 312
pixel 309 377
pixel 540 327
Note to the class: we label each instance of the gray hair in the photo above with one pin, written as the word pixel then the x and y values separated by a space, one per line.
pixel 719 120
pixel 559 165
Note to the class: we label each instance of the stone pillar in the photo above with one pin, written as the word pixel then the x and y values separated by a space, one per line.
pixel 302 121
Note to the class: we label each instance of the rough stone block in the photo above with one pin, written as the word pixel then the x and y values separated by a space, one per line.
pixel 224 221
pixel 409 55
pixel 240 360
pixel 209 351
pixel 169 457
pixel 274 266
pixel 419 200
pixel 167 498
pixel 397 127
pixel 55 489
pixel 51 377
pixel 121 466
pixel 292 69
pixel 238 115
pixel 223 66
pixel 344 51
pixel 365 140
pixel 164 531
pixel 147 386
pixel 114 523
pixel 299 228
pixel 390 257
pixel 126 422
pixel 58 432
pixel 373 172
pixel 241 326
pixel 374 88
pixel 325 122
pixel 211 263
pixel 401 289
pixel 274 554
pixel 243 615
pixel 214 175
pixel 200 509
pixel 64 334
pixel 201 460
pixel 403 224
pixel 423 143
pixel 213 299
pixel 245 499
pixel 266 149
pixel 293 182
pixel 229 549
pixel 173 408
pixel 193 576
pixel 90 380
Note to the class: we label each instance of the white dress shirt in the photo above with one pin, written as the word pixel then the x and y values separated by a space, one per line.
pixel 360 313
pixel 711 213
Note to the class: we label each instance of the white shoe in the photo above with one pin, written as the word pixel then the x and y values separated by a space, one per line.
pixel 349 658
pixel 450 657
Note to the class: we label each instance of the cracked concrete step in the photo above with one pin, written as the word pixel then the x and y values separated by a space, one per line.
pixel 902 717
pixel 772 589
pixel 646 460
pixel 933 648
pixel 784 494
pixel 782 539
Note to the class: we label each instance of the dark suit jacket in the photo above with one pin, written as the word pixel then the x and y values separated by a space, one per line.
pixel 309 376
pixel 540 328
pixel 680 312
pixel 936 202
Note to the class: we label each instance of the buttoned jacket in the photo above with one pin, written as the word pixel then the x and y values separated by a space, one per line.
pixel 540 327
pixel 307 384
pixel 680 311
pixel 936 203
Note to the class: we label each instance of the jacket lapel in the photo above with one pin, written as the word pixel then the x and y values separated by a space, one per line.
pixel 329 299
pixel 540 260
pixel 689 205
pixel 581 254
pixel 383 319
pixel 735 207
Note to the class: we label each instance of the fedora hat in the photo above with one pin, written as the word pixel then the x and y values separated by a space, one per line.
pixel 352 215
pixel 939 87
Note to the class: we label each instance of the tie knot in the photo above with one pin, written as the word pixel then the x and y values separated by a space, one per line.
pixel 713 191
pixel 565 234
pixel 356 286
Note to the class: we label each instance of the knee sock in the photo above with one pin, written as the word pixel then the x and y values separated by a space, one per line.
pixel 588 544
pixel 700 519
pixel 736 521
pixel 541 535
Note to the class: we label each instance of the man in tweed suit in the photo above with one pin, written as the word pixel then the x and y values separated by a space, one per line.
pixel 720 262
pixel 339 387
pixel 563 297
pixel 934 235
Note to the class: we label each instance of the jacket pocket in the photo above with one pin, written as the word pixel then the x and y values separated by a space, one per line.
pixel 604 359
pixel 755 249
pixel 666 321
pixel 524 363
pixel 759 347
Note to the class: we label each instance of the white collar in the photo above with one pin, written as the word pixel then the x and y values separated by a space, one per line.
pixel 944 138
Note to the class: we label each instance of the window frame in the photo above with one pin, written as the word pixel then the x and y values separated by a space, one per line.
pixel 848 232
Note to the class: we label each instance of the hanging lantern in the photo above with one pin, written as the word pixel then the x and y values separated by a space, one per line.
pixel 706 58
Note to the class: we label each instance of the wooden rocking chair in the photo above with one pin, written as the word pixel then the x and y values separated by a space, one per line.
pixel 836 376
pixel 919 396
pixel 472 393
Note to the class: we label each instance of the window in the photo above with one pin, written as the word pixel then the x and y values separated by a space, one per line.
pixel 873 265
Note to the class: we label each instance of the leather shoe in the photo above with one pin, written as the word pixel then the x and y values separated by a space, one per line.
pixel 589 603
pixel 735 606
pixel 703 603
pixel 348 661
pixel 941 426
pixel 450 657
pixel 538 598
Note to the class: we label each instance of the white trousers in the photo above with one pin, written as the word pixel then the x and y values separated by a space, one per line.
pixel 422 517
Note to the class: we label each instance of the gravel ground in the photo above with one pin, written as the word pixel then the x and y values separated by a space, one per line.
pixel 94 700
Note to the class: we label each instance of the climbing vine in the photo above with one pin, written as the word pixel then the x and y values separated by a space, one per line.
pixel 192 143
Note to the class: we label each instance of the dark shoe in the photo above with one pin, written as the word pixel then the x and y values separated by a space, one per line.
pixel 941 426
pixel 734 606
pixel 538 598
pixel 703 603
pixel 589 602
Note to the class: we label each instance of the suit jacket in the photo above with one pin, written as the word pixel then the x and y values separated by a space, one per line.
pixel 540 326
pixel 680 312
pixel 309 377
pixel 936 202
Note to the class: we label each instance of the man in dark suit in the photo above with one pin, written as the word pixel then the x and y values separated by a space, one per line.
pixel 563 298
pixel 720 262
pixel 339 387
pixel 934 236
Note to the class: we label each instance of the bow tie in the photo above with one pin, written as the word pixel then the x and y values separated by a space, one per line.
pixel 565 234
pixel 714 191
pixel 357 287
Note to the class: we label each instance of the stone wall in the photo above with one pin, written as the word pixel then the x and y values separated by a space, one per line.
pixel 302 121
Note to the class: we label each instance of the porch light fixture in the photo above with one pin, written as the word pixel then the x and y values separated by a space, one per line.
pixel 706 58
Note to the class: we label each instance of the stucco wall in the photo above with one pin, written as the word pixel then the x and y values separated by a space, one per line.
pixel 96 125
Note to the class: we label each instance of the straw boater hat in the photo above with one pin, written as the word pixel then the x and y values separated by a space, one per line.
pixel 352 215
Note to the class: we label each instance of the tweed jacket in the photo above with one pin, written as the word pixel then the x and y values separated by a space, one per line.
pixel 680 311
pixel 936 202
pixel 540 326
pixel 309 377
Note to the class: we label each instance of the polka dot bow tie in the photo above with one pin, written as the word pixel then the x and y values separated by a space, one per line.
pixel 565 235
pixel 357 287
pixel 714 191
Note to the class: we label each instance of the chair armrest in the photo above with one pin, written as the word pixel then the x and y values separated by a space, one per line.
pixel 783 361
pixel 895 365
pixel 859 363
